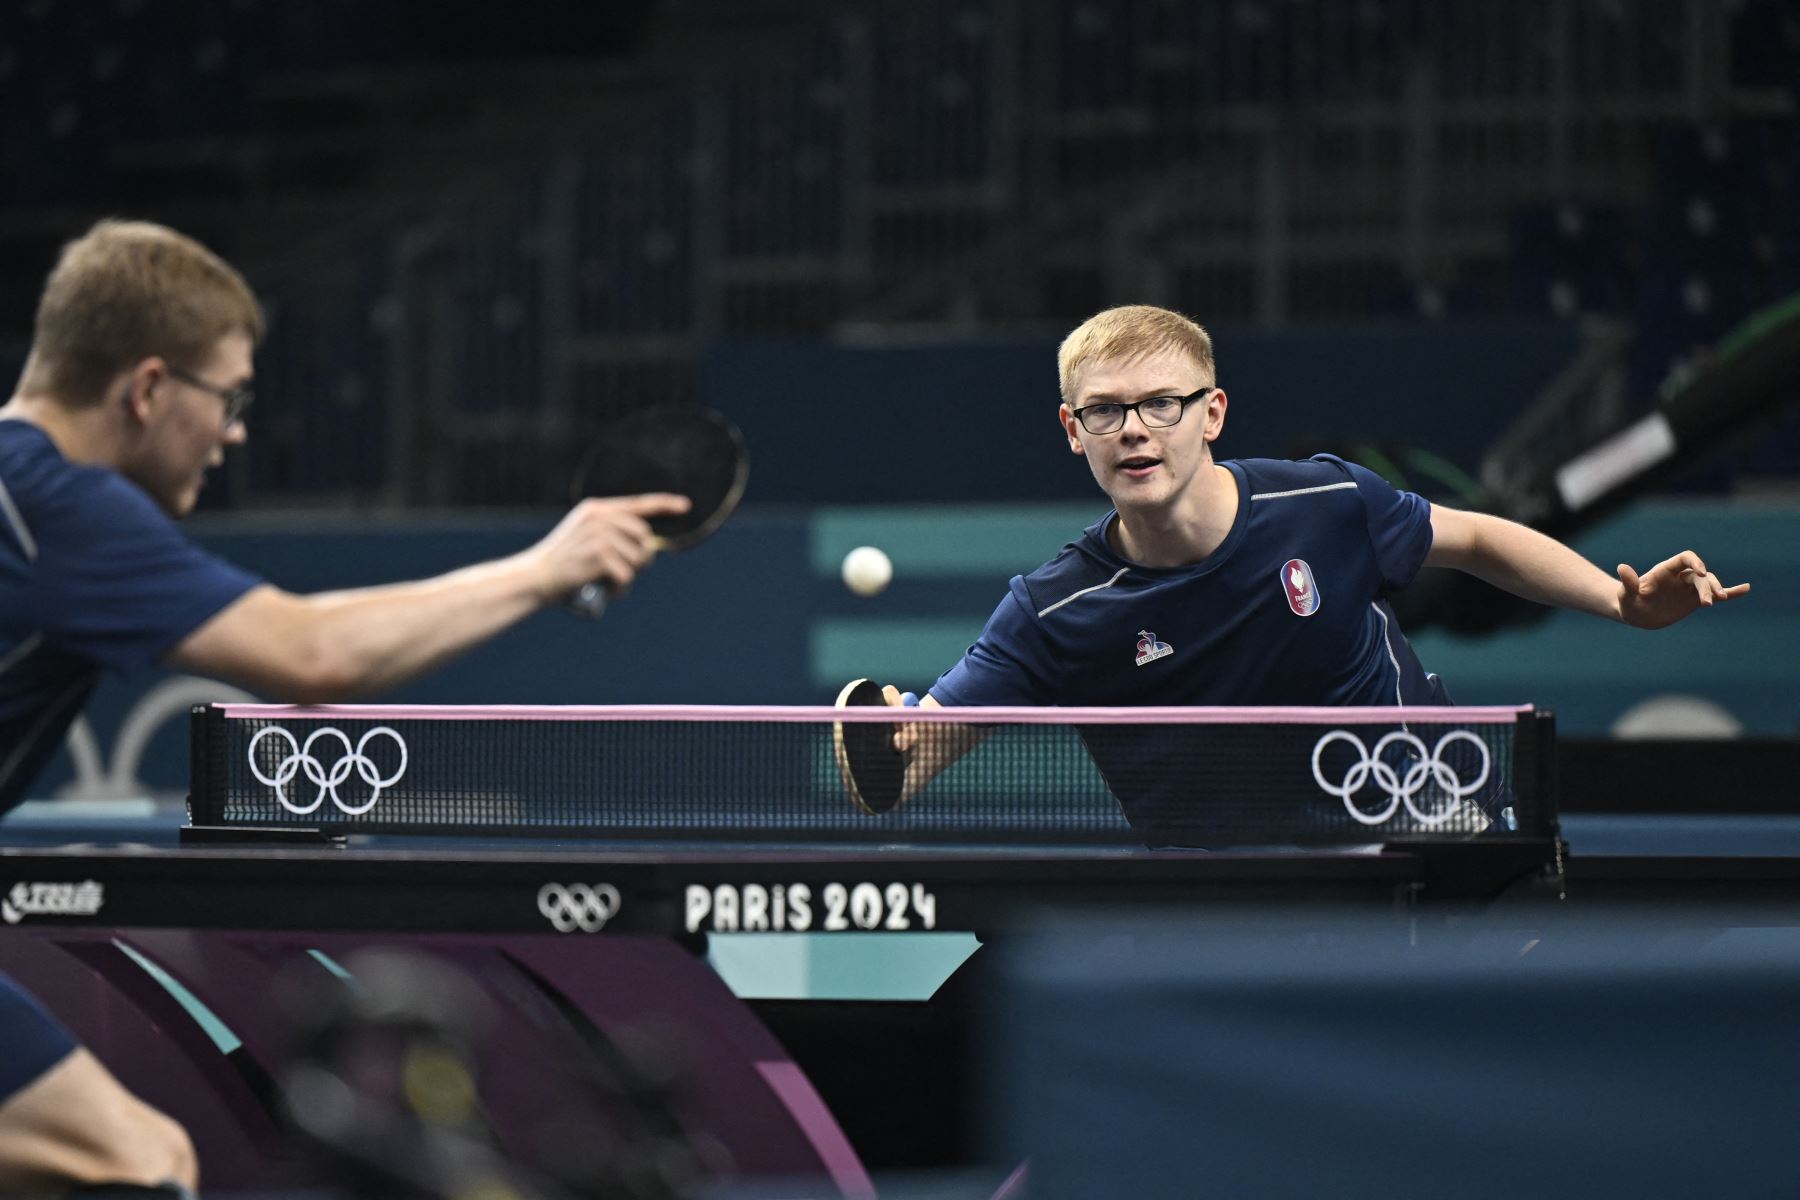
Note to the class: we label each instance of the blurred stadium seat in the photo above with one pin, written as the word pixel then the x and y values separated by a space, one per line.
pixel 552 215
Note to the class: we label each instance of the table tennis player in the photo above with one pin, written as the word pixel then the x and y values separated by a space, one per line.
pixel 1246 582
pixel 138 379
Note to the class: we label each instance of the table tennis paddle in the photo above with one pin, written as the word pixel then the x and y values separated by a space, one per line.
pixel 872 770
pixel 686 449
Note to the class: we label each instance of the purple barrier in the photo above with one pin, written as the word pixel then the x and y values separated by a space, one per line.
pixel 208 1059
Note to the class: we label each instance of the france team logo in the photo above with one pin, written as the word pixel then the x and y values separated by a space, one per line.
pixel 1301 588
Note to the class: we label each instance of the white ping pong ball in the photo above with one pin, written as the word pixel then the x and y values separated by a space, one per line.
pixel 867 570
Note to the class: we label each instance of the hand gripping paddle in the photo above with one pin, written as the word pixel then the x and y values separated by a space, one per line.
pixel 686 449
pixel 872 770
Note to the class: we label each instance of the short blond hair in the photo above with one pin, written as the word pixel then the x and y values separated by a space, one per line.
pixel 1131 331
pixel 127 290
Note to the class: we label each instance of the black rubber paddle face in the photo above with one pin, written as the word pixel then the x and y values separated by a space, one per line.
pixel 872 770
pixel 693 452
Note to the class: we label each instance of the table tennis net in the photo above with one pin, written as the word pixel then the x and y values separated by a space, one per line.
pixel 1194 777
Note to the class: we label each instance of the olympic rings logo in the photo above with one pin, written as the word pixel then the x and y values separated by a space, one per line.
pixel 1401 786
pixel 578 906
pixel 300 757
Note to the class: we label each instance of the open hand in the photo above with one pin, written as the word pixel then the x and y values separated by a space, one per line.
pixel 1670 591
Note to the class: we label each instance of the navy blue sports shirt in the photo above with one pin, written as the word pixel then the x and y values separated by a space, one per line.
pixel 31 1041
pixel 93 576
pixel 1291 609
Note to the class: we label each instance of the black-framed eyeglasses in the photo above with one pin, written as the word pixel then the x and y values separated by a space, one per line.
pixel 237 400
pixel 1158 412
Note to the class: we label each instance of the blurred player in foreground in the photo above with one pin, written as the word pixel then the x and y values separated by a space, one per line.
pixel 1252 582
pixel 138 379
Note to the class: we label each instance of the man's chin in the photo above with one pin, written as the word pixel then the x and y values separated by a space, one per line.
pixel 1139 499
pixel 181 504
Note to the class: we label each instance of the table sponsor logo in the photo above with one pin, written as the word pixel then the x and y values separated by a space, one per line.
pixel 578 907
pixel 297 757
pixel 800 908
pixel 1399 768
pixel 52 900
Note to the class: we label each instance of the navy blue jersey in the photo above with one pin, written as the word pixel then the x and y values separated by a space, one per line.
pixel 31 1042
pixel 1290 609
pixel 93 576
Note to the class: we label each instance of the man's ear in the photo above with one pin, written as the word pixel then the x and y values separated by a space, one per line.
pixel 1071 428
pixel 1215 414
pixel 139 385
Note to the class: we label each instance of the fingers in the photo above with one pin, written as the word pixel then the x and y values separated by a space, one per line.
pixel 1687 560
pixel 1703 586
pixel 650 504
pixel 607 541
pixel 621 537
pixel 1660 597
pixel 905 732
pixel 1711 589
pixel 618 544
pixel 1691 569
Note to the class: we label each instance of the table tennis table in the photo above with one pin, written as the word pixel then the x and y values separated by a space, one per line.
pixel 163 952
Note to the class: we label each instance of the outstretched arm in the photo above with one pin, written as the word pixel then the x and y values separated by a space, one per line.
pixel 1538 568
pixel 338 645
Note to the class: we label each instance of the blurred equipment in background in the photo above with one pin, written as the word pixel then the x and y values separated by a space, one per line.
pixel 472 222
pixel 384 1093
pixel 1575 457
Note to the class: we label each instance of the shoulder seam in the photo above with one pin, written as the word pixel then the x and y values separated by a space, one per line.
pixel 1307 491
pixel 1084 591
pixel 23 531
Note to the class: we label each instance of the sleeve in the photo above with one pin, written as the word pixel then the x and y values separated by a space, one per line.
pixel 1009 664
pixel 31 1040
pixel 117 583
pixel 1399 524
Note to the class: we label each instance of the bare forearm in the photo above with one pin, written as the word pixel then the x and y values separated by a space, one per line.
pixel 339 645
pixel 352 643
pixel 1532 566
pixel 382 636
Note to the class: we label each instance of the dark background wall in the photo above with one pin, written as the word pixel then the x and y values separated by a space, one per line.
pixel 1422 231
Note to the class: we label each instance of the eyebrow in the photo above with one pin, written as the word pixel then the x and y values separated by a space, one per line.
pixel 1114 398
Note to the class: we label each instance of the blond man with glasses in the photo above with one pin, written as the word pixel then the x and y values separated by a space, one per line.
pixel 1239 582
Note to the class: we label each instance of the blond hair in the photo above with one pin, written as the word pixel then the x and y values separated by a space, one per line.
pixel 1127 332
pixel 127 290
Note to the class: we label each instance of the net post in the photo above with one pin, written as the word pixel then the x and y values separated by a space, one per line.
pixel 1535 771
pixel 206 775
